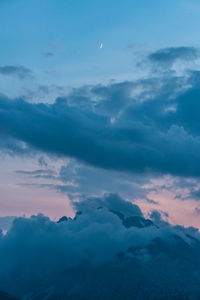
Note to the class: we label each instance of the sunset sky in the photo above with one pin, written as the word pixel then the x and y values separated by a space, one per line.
pixel 78 119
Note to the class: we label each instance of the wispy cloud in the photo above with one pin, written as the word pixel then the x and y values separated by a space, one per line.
pixel 168 56
pixel 49 54
pixel 18 71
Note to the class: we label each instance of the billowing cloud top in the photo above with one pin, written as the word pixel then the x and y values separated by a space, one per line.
pixel 108 251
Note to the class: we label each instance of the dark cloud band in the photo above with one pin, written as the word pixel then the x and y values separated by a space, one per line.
pixel 148 136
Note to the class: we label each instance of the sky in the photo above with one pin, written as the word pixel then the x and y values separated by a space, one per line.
pixel 99 149
pixel 80 120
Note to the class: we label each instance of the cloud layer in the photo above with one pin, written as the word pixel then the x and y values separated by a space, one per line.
pixel 119 131
pixel 108 251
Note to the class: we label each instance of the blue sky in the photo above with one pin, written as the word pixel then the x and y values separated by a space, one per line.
pixel 72 31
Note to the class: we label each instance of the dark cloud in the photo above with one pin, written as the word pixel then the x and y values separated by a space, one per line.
pixel 159 218
pixel 17 71
pixel 42 162
pixel 6 296
pixel 114 98
pixel 151 201
pixel 39 172
pixel 167 56
pixel 108 251
pixel 156 135
pixel 149 125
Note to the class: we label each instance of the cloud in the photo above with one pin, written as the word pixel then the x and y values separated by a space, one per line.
pixel 6 296
pixel 197 211
pixel 166 57
pixel 147 136
pixel 41 173
pixel 42 162
pixel 107 245
pixel 12 146
pixel 112 99
pixel 144 126
pixel 17 71
pixel 88 180
pixel 36 172
pixel 6 222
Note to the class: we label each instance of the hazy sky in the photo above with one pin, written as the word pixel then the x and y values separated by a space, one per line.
pixel 122 118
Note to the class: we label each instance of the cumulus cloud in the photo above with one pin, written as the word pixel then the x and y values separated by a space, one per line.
pixel 112 99
pixel 108 251
pixel 18 71
pixel 157 135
